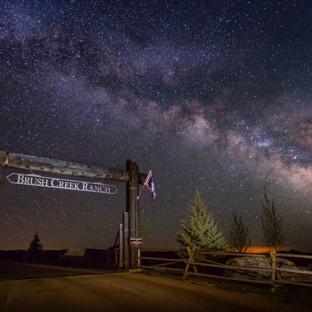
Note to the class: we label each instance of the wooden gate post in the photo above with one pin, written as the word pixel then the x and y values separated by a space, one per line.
pixel 125 241
pixel 132 189
pixel 121 246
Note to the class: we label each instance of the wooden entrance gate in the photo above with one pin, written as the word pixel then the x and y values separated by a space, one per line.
pixel 131 176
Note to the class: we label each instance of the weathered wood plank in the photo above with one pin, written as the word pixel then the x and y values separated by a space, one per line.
pixel 55 166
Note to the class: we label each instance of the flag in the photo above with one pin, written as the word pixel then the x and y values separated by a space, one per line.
pixel 149 183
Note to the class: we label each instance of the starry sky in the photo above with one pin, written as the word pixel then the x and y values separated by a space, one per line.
pixel 208 94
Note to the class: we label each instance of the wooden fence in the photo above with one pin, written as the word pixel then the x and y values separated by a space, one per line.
pixel 196 259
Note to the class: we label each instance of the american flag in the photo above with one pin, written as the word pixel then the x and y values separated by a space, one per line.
pixel 149 183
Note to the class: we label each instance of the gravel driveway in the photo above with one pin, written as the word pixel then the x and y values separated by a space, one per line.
pixel 126 291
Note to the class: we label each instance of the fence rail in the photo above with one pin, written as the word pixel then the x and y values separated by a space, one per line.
pixel 196 260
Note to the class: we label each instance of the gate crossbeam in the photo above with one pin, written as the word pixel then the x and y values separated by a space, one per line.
pixel 55 166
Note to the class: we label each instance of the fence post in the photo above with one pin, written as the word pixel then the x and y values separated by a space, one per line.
pixel 188 249
pixel 193 260
pixel 139 258
pixel 272 254
pixel 126 241
pixel 191 253
pixel 121 246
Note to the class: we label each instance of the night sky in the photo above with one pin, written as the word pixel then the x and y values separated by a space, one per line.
pixel 208 94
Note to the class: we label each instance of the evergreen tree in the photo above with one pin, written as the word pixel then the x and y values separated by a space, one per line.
pixel 35 248
pixel 274 235
pixel 200 230
pixel 239 238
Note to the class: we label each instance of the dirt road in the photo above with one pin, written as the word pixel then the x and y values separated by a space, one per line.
pixel 127 292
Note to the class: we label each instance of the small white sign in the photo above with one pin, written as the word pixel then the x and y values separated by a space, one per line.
pixel 136 241
pixel 64 184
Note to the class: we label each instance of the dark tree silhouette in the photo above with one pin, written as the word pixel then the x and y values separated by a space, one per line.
pixel 274 235
pixel 34 249
pixel 239 236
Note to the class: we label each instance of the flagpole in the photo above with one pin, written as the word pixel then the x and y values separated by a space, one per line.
pixel 147 177
pixel 140 192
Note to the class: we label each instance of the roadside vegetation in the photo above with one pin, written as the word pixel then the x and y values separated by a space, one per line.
pixel 201 230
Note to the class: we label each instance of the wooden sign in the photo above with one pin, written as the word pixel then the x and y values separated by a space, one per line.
pixel 65 184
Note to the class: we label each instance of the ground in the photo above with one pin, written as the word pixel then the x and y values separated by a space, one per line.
pixel 51 289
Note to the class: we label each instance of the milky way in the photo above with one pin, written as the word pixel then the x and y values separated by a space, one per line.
pixel 209 95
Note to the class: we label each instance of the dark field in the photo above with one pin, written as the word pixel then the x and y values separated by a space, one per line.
pixel 12 271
